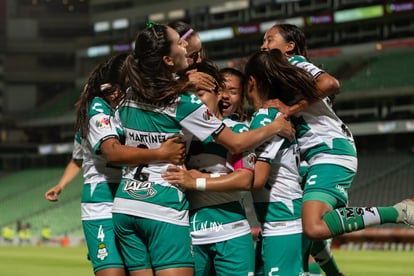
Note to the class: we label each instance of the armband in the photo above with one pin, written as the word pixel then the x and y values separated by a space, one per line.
pixel 245 160
pixel 201 184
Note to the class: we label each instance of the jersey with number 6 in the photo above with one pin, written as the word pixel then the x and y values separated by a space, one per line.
pixel 143 192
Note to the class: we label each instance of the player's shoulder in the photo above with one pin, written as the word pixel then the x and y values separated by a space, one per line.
pixel 236 126
pixel 99 105
pixel 266 112
pixel 262 117
pixel 297 59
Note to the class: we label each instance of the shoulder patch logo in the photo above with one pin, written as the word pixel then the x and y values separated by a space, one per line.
pixel 103 123
pixel 207 115
pixel 251 159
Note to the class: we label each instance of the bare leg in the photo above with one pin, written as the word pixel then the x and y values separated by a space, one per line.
pixel 111 272
pixel 320 223
pixel 314 227
pixel 179 271
pixel 142 272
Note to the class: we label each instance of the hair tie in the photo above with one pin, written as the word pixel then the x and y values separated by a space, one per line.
pixel 187 34
pixel 151 24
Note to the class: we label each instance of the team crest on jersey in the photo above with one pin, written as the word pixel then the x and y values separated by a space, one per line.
pixel 139 189
pixel 251 159
pixel 103 123
pixel 102 252
pixel 207 115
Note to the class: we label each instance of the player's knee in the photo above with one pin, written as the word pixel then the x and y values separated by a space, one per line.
pixel 315 232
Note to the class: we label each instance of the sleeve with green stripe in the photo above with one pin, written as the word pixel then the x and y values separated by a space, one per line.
pixel 267 151
pixel 196 118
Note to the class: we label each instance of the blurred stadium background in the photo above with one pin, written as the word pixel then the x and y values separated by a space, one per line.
pixel 48 47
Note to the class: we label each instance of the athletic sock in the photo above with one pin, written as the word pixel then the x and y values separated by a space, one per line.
pixel 314 269
pixel 321 252
pixel 349 219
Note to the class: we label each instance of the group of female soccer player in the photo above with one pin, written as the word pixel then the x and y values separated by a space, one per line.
pixel 164 157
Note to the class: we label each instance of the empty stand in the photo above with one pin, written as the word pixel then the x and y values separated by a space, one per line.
pixel 22 199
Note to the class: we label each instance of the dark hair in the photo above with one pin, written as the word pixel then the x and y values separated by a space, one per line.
pixel 238 74
pixel 277 78
pixel 108 72
pixel 293 33
pixel 181 28
pixel 145 73
pixel 210 68
pixel 234 72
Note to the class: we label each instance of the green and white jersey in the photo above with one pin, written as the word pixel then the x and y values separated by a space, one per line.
pixel 96 198
pixel 278 204
pixel 77 152
pixel 322 136
pixel 302 62
pixel 215 216
pixel 143 192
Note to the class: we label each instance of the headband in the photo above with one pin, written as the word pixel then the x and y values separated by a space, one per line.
pixel 187 34
pixel 105 86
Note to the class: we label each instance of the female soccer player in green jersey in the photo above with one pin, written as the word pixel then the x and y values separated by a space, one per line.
pixel 147 210
pixel 194 54
pixel 98 133
pixel 277 193
pixel 220 232
pixel 328 147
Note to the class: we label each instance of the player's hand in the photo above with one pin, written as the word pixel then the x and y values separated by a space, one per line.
pixel 286 128
pixel 174 150
pixel 53 193
pixel 198 174
pixel 278 104
pixel 200 80
pixel 180 177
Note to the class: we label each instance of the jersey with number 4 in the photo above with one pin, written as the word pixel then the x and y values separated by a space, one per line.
pixel 278 204
pixel 143 192
pixel 322 136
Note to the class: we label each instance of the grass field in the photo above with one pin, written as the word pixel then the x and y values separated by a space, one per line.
pixel 57 261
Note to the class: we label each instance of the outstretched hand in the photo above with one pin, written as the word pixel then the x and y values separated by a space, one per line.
pixel 174 150
pixel 53 193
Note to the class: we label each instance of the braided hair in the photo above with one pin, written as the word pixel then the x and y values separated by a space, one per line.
pixel 103 80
